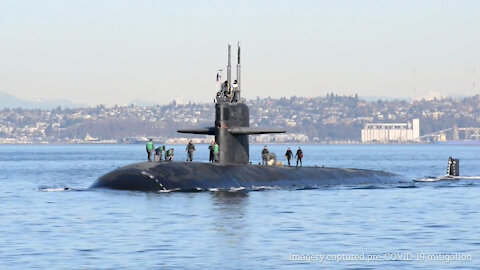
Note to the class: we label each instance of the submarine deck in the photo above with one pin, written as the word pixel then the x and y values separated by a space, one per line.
pixel 175 175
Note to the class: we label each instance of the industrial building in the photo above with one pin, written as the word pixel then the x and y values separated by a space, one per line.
pixel 392 132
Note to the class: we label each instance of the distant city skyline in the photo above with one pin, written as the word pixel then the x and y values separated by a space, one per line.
pixel 116 52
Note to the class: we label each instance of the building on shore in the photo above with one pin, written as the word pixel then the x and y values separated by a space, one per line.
pixel 392 132
pixel 206 140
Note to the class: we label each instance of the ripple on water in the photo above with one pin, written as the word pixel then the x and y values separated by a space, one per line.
pixel 41 223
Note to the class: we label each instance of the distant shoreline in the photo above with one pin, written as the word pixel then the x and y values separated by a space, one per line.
pixel 273 143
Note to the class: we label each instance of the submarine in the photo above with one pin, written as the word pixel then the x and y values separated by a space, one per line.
pixel 233 169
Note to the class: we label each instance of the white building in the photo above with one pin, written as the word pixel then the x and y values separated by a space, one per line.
pixel 392 132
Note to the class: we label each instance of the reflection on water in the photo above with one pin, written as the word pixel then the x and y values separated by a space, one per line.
pixel 229 216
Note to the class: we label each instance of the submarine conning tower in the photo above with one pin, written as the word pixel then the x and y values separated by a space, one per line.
pixel 232 121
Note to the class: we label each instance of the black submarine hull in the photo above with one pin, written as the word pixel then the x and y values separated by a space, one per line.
pixel 187 176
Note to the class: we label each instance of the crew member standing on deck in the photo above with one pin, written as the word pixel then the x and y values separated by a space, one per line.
pixel 211 148
pixel 159 153
pixel 190 150
pixel 299 156
pixel 289 156
pixel 149 147
pixel 215 152
pixel 264 155
pixel 164 150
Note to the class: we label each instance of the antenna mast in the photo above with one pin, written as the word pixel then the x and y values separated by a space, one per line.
pixel 238 73
pixel 229 67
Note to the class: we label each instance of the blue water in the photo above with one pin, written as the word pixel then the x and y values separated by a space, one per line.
pixel 43 227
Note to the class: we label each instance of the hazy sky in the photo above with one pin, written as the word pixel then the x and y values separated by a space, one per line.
pixel 113 52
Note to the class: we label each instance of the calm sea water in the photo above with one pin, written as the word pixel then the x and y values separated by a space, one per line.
pixel 424 225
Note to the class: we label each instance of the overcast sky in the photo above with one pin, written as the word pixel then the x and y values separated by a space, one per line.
pixel 114 52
